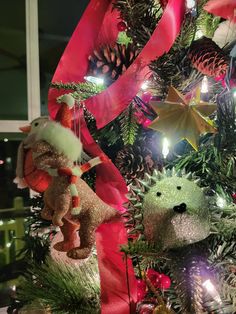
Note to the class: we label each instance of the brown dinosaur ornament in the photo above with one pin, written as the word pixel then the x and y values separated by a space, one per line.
pixel 50 155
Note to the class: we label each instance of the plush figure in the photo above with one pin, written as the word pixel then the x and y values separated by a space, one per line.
pixel 27 174
pixel 173 209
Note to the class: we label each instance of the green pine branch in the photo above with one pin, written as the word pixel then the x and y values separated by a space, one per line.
pixel 128 125
pixel 65 288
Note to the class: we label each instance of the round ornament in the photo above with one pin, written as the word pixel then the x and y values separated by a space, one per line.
pixel 37 180
pixel 174 209
pixel 164 282
pixel 142 289
pixel 121 26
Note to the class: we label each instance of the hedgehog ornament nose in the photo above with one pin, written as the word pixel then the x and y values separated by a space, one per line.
pixel 180 208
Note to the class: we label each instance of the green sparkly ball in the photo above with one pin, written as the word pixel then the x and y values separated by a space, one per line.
pixel 175 210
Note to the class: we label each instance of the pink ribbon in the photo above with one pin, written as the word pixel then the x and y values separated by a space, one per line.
pixel 99 25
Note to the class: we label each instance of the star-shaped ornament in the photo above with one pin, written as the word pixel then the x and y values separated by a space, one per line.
pixel 179 118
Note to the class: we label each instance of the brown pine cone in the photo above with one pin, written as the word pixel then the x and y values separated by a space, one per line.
pixel 110 62
pixel 134 161
pixel 208 58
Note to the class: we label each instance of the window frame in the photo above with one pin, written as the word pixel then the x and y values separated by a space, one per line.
pixel 33 78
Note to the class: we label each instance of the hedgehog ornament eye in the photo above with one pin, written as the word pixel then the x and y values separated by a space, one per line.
pixel 158 194
pixel 179 187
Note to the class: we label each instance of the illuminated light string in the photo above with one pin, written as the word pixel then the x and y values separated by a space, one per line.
pixel 165 147
pixel 94 80
pixel 204 86
pixel 190 4
pixel 211 289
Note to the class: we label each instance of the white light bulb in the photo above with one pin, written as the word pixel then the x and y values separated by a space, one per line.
pixel 220 202
pixel 165 147
pixel 199 34
pixel 190 4
pixel 8 244
pixel 144 86
pixel 95 80
pixel 5 139
pixel 1 222
pixel 208 285
pixel 204 87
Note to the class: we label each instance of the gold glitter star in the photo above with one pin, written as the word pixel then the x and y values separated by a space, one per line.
pixel 179 118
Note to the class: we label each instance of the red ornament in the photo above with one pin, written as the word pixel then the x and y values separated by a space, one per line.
pixel 234 197
pixel 142 287
pixel 164 282
pixel 153 276
pixel 121 26
pixel 37 180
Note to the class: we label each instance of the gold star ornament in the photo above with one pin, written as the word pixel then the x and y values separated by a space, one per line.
pixel 179 118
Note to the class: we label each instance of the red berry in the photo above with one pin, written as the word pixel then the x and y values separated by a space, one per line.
pixel 121 26
pixel 141 286
pixel 165 282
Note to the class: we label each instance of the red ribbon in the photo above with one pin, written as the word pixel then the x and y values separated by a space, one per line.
pixel 116 98
pixel 99 25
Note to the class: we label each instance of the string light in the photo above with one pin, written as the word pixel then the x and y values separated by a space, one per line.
pixel 1 222
pixel 165 147
pixel 208 285
pixel 95 80
pixel 220 202
pixel 8 244
pixel 1 162
pixel 204 87
pixel 5 139
pixel 190 4
pixel 144 86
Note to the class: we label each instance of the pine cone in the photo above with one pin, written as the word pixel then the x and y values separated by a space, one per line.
pixel 208 58
pixel 110 62
pixel 134 161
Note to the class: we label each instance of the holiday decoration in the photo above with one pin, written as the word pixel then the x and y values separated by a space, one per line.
pixel 134 161
pixel 185 117
pixel 121 26
pixel 142 289
pixel 110 62
pixel 225 9
pixel 174 210
pixel 55 148
pixel 208 58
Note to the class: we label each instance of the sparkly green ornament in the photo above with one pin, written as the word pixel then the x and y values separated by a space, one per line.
pixel 174 209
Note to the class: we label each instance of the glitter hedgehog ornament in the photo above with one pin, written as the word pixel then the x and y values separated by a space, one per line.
pixel 170 209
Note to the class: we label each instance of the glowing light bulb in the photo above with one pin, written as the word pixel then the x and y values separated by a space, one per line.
pixel 144 86
pixel 199 34
pixel 5 139
pixel 204 87
pixel 208 285
pixel 220 202
pixel 8 244
pixel 234 94
pixel 1 162
pixel 1 222
pixel 190 4
pixel 95 80
pixel 165 147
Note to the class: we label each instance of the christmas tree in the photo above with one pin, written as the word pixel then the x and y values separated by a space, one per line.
pixel 151 90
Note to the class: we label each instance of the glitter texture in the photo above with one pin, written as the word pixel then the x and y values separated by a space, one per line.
pixel 57 199
pixel 166 225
